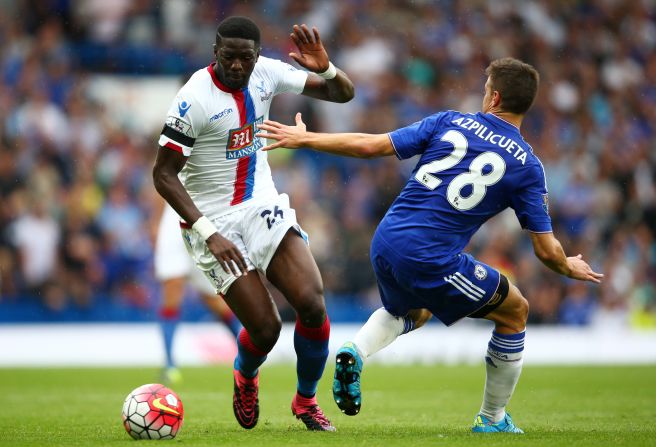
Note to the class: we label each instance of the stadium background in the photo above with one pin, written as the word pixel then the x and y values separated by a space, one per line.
pixel 84 87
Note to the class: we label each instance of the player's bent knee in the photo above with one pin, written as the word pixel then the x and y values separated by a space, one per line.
pixel 266 334
pixel 310 307
pixel 518 317
pixel 519 308
pixel 312 315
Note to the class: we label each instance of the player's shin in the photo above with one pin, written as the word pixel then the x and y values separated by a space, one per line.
pixel 380 330
pixel 311 346
pixel 249 357
pixel 504 366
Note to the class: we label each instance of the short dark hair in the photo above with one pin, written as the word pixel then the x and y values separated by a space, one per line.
pixel 239 27
pixel 516 81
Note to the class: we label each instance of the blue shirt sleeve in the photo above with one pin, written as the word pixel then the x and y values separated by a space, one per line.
pixel 531 202
pixel 413 139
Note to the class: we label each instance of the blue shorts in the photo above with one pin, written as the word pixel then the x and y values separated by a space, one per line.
pixel 455 291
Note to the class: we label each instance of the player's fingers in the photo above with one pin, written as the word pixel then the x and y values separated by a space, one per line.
pixel 301 33
pixel 297 58
pixel 271 124
pixel 224 265
pixel 307 34
pixel 579 256
pixel 242 265
pixel 238 267
pixel 233 267
pixel 271 146
pixel 296 39
pixel 238 262
pixel 315 31
pixel 299 120
pixel 271 136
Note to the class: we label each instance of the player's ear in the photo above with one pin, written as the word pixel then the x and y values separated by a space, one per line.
pixel 215 49
pixel 496 98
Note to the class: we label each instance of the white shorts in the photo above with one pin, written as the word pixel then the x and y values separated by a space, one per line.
pixel 171 257
pixel 256 231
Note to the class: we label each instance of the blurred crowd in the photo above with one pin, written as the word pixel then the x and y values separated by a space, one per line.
pixel 76 197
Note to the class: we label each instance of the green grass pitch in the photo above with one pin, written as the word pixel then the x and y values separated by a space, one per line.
pixel 403 405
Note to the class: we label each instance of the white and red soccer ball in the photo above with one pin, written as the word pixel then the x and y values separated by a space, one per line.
pixel 152 411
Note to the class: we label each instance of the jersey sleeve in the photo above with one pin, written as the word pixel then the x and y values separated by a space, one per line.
pixel 184 122
pixel 284 77
pixel 531 202
pixel 413 139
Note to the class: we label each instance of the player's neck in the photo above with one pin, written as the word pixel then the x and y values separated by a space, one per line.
pixel 510 118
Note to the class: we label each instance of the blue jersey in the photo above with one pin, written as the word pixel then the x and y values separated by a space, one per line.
pixel 472 167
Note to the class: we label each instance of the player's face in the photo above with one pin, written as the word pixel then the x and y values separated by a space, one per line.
pixel 235 61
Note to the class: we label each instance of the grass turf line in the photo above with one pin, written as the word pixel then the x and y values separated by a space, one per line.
pixel 402 405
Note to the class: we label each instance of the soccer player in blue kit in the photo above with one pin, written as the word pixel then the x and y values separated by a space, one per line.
pixel 471 167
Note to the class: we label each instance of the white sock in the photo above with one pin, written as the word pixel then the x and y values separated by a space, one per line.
pixel 380 330
pixel 503 364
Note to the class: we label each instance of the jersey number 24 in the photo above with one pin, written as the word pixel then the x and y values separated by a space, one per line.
pixel 475 177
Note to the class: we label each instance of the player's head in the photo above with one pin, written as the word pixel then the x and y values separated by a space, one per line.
pixel 511 86
pixel 236 49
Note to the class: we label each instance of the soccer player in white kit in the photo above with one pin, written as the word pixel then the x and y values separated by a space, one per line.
pixel 174 268
pixel 210 169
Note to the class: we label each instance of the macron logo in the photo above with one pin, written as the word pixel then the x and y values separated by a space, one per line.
pixel 221 114
pixel 183 107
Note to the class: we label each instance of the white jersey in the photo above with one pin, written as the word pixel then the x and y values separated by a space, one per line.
pixel 214 126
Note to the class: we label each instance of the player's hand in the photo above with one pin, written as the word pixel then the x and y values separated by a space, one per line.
pixel 579 269
pixel 311 53
pixel 227 254
pixel 290 137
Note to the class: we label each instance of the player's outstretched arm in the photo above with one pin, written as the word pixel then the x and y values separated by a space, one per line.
pixel 549 250
pixel 360 145
pixel 311 55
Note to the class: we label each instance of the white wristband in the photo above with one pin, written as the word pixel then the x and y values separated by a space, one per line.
pixel 204 227
pixel 330 73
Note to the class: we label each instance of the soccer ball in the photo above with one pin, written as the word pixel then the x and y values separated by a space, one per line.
pixel 152 411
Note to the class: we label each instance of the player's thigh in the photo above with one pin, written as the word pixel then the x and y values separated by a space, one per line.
pixel 278 246
pixel 255 309
pixel 229 227
pixel 465 288
pixel 396 299
pixel 295 273
pixel 512 313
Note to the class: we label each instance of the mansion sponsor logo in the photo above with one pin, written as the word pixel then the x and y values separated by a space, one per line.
pixel 242 141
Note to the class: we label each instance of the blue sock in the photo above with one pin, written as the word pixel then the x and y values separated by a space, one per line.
pixel 169 323
pixel 311 345
pixel 249 357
